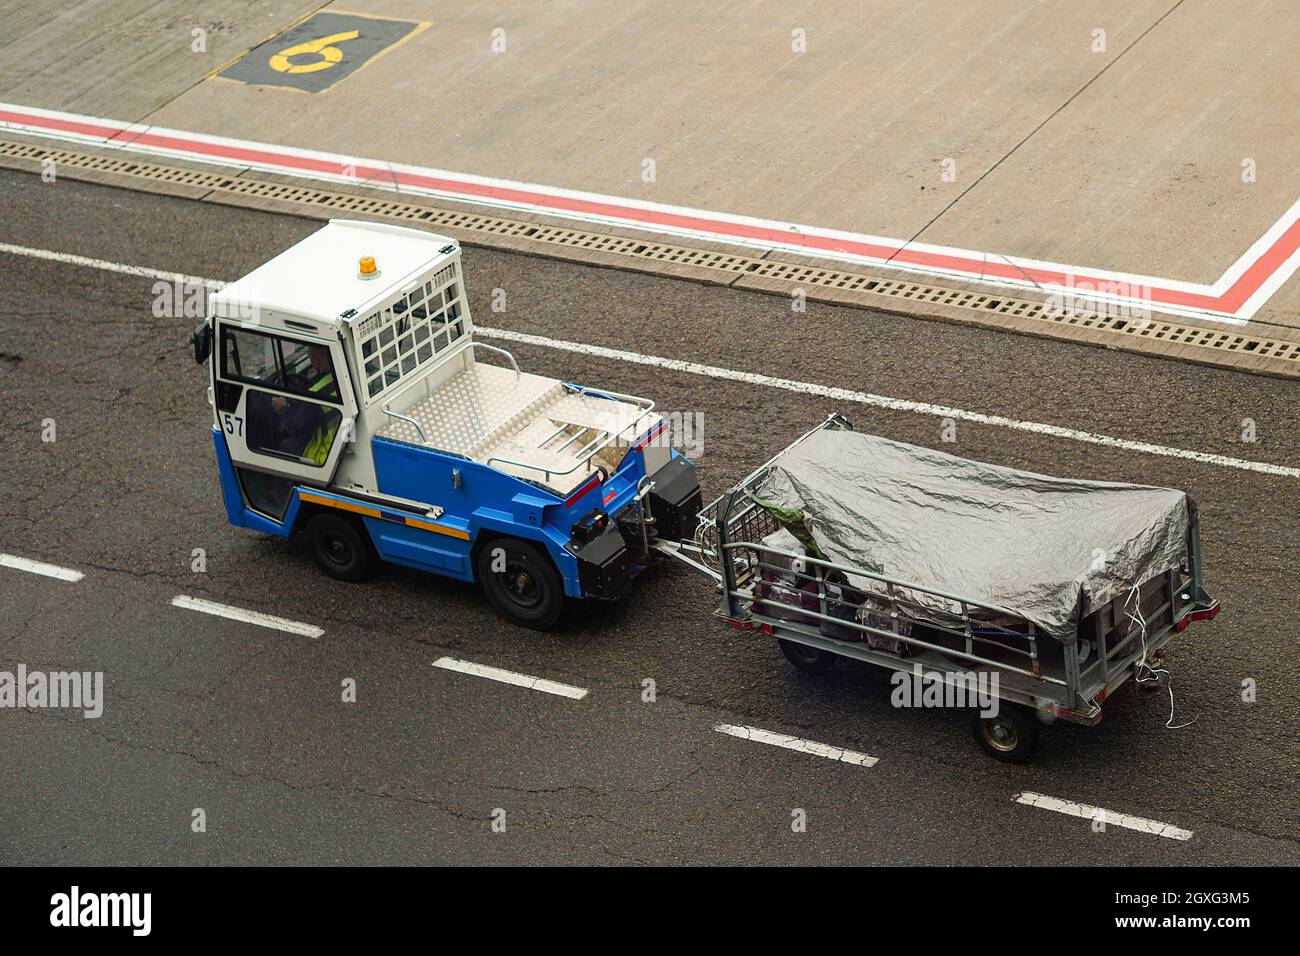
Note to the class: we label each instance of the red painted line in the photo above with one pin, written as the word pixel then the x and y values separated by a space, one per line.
pixel 62 125
pixel 654 433
pixel 595 480
pixel 1262 268
pixel 256 156
pixel 1251 280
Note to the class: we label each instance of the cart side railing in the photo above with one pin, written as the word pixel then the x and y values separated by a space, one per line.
pixel 1155 612
pixel 705 545
pixel 894 598
pixel 926 620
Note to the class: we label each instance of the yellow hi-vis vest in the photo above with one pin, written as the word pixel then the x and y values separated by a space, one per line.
pixel 318 449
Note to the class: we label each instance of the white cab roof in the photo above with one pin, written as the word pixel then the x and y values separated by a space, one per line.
pixel 317 278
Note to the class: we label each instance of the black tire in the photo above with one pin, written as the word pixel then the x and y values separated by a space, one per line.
pixel 340 547
pixel 1010 736
pixel 810 660
pixel 528 591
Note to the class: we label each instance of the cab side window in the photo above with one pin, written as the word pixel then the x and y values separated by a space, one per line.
pixel 309 370
pixel 300 368
pixel 249 356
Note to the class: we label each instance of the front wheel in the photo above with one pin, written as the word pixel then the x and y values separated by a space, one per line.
pixel 341 549
pixel 810 660
pixel 521 582
pixel 1010 735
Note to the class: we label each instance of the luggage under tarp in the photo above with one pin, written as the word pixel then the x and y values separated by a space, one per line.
pixel 1049 550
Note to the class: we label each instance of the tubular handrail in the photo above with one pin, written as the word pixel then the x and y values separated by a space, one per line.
pixel 455 349
pixel 410 421
pixel 906 608
pixel 646 404
pixel 424 379
pixel 499 351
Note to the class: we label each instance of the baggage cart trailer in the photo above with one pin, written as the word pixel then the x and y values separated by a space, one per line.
pixel 1037 677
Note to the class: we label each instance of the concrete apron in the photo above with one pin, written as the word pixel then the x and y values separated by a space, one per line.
pixel 1022 132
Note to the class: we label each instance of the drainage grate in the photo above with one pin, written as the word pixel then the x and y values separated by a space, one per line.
pixel 560 238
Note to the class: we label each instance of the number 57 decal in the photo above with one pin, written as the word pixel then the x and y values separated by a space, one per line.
pixel 234 424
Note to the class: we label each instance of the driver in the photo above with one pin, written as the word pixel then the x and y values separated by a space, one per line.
pixel 308 429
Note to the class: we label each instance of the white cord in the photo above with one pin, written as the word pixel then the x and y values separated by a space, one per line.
pixel 1152 673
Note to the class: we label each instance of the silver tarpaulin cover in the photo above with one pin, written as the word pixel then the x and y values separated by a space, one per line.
pixel 1049 550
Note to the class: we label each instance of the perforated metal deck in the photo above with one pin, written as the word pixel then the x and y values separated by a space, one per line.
pixel 525 425
pixel 475 406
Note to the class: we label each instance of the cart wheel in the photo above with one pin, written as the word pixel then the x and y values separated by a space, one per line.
pixel 339 547
pixel 810 660
pixel 524 587
pixel 1009 736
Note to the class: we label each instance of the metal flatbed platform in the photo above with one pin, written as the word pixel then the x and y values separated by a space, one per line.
pixel 526 425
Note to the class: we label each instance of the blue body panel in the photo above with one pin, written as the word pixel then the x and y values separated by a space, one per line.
pixel 483 500
pixel 420 549
pixel 237 512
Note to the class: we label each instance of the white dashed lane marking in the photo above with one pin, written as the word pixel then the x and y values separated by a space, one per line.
pixel 510 677
pixel 797 743
pixel 1108 817
pixel 247 617
pixel 39 567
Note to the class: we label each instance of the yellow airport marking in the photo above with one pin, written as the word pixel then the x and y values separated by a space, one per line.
pixel 319 50
pixel 324 48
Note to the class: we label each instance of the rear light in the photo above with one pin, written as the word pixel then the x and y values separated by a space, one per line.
pixel 590 526
pixel 1205 614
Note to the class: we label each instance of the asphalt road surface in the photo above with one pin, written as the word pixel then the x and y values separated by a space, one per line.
pixel 248 723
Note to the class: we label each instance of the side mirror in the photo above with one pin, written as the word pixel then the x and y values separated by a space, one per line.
pixel 202 342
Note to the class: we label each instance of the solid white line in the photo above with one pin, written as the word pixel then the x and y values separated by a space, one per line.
pixel 247 617
pixel 796 743
pixel 39 567
pixel 1108 817
pixel 768 381
pixel 893 404
pixel 68 259
pixel 510 677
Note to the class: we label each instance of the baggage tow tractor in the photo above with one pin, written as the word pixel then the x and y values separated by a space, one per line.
pixel 352 406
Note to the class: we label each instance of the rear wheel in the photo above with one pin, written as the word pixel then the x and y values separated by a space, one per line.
pixel 341 549
pixel 810 660
pixel 520 581
pixel 1010 735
